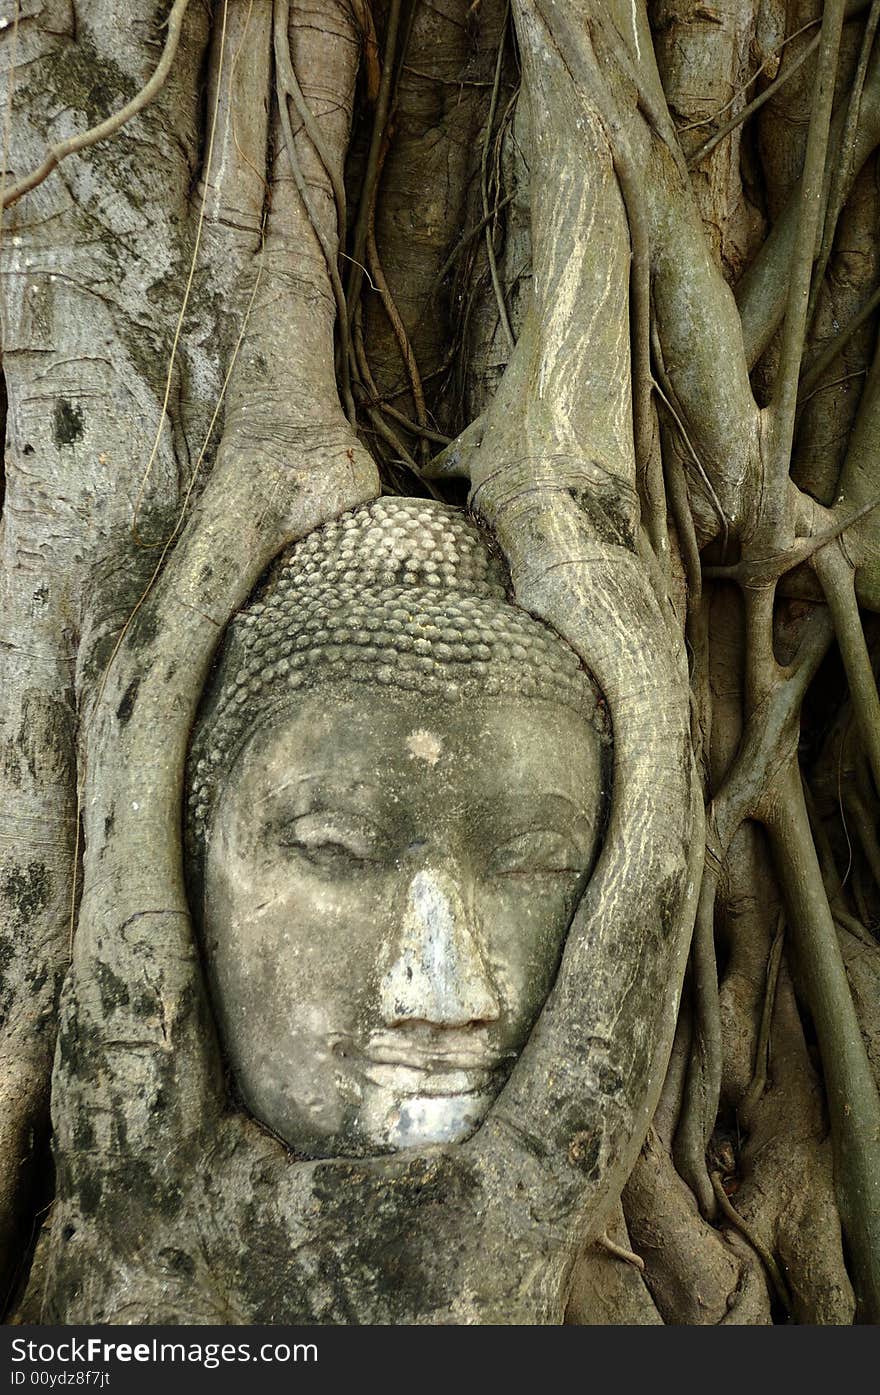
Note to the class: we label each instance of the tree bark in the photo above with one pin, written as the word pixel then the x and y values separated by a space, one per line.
pixel 494 253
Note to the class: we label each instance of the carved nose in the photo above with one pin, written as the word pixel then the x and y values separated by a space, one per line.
pixel 439 975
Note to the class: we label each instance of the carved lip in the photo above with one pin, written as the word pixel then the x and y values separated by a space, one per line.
pixel 428 1080
pixel 410 1068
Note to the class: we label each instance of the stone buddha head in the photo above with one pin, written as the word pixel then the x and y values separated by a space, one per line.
pixel 395 801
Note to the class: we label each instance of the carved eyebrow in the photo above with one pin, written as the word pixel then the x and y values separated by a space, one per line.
pixel 323 798
pixel 544 810
pixel 281 788
pixel 299 779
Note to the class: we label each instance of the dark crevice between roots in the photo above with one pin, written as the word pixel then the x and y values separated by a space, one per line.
pixel 200 170
pixel 39 1209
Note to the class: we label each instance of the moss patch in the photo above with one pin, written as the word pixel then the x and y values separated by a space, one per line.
pixel 67 423
pixel 27 890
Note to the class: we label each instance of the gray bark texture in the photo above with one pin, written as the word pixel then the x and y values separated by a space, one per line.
pixel 475 251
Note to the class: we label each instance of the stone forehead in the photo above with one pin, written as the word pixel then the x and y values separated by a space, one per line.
pixel 403 594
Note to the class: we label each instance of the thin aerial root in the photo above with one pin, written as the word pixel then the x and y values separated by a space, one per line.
pixel 364 16
pixel 401 455
pixel 851 1090
pixel 649 468
pixel 285 81
pixel 394 318
pixel 184 305
pixel 484 190
pixel 679 505
pixel 703 1087
pixel 762 1049
pixel 465 241
pixel 56 153
pixel 838 583
pixel 783 408
pixel 844 157
pixel 412 426
pixel 621 1252
pixel 7 115
pixel 757 573
pixel 373 165
pixel 863 824
pixel 757 102
pixel 730 1214
pixel 666 394
pixel 771 90
pixel 291 85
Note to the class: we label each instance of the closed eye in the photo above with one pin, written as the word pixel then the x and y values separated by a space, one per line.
pixel 537 852
pixel 332 838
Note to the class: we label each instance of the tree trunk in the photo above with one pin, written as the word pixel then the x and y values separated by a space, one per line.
pixel 552 259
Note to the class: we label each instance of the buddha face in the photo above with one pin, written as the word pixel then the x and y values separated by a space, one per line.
pixel 389 882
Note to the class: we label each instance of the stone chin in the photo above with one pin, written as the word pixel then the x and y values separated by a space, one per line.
pixel 411 1105
pixel 391 1121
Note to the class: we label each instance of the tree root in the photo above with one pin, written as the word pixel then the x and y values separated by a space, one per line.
pixel 730 1214
pixel 604 1290
pixel 695 1275
pixel 785 1183
pixel 853 1100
